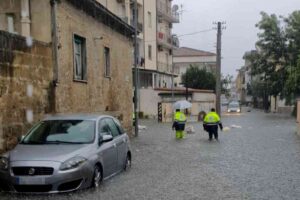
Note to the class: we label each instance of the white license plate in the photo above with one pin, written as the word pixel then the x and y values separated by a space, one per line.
pixel 31 180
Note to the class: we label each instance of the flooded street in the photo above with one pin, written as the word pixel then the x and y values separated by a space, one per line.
pixel 258 158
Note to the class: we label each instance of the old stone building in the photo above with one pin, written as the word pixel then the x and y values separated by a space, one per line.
pixel 79 61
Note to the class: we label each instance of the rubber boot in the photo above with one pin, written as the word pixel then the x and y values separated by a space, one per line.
pixel 177 134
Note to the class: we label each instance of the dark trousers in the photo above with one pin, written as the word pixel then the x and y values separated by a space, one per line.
pixel 212 131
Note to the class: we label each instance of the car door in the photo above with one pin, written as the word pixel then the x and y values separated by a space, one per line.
pixel 107 150
pixel 120 141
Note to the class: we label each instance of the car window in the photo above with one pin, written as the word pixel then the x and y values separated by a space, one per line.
pixel 104 128
pixel 119 126
pixel 113 128
pixel 62 131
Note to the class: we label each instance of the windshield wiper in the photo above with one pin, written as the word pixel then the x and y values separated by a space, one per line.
pixel 32 142
pixel 62 142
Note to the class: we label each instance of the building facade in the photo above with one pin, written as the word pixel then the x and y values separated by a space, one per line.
pixel 184 57
pixel 85 66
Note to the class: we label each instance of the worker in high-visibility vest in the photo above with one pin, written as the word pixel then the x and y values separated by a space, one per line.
pixel 210 124
pixel 179 124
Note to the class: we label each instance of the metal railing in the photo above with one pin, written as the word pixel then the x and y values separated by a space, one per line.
pixel 164 39
pixel 164 67
pixel 166 11
pixel 140 25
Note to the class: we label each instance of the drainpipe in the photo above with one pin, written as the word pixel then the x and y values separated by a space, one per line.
pixel 25 18
pixel 54 84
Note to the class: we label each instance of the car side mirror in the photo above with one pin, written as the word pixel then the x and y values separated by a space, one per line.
pixel 105 138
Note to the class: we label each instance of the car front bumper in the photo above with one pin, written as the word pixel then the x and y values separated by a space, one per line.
pixel 58 181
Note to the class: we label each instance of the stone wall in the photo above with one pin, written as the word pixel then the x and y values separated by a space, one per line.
pixel 25 92
pixel 98 93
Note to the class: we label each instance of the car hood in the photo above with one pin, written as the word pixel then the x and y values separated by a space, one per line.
pixel 58 153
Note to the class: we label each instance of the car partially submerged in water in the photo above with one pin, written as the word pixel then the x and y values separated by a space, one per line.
pixel 66 153
pixel 234 107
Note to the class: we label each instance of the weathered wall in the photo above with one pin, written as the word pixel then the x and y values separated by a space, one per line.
pixel 98 93
pixel 10 7
pixel 25 74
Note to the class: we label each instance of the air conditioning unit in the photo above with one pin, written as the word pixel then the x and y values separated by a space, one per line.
pixel 121 1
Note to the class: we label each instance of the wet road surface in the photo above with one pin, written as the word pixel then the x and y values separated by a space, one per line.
pixel 258 159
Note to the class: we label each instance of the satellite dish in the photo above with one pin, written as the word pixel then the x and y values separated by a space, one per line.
pixel 175 8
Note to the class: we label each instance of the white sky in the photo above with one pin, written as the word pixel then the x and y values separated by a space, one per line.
pixel 240 34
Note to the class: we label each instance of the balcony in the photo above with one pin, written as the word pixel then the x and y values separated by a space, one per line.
pixel 164 67
pixel 164 40
pixel 140 26
pixel 165 11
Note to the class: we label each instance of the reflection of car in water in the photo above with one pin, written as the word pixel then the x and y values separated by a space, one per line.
pixel 234 107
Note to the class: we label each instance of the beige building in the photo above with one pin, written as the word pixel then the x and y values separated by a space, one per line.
pixel 91 71
pixel 184 57
pixel 156 43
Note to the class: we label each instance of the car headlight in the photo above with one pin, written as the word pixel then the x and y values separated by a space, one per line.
pixel 238 110
pixel 72 163
pixel 228 110
pixel 3 163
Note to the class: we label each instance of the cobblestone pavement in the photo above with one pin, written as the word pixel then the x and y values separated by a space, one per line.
pixel 260 160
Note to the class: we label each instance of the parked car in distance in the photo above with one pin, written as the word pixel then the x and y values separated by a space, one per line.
pixel 66 153
pixel 234 107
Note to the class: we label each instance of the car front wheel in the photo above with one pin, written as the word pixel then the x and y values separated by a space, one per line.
pixel 97 178
pixel 127 165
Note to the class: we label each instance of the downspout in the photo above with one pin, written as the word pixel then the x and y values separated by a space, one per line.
pixel 54 83
pixel 25 18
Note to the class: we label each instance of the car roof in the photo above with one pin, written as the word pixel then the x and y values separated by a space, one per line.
pixel 79 116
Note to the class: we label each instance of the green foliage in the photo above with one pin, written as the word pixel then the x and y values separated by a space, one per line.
pixel 276 60
pixel 225 83
pixel 198 78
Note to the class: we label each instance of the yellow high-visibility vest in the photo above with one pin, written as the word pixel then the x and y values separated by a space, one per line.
pixel 211 118
pixel 179 117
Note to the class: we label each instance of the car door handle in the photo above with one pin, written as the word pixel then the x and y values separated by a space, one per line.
pixel 115 145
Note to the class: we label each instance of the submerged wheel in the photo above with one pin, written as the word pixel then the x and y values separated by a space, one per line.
pixel 127 165
pixel 97 178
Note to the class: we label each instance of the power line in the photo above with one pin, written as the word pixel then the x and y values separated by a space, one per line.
pixel 188 34
pixel 194 33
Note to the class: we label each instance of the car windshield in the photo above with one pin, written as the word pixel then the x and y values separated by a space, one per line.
pixel 61 132
pixel 233 105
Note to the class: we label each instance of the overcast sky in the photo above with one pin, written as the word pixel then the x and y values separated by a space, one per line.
pixel 240 34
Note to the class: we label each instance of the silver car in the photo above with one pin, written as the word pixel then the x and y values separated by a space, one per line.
pixel 66 153
pixel 234 107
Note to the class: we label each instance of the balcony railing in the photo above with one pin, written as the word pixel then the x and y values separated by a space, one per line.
pixel 139 25
pixel 164 67
pixel 164 39
pixel 165 11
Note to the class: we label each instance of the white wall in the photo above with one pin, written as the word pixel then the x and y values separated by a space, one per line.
pixel 149 100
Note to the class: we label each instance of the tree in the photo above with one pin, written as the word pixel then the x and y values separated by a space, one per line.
pixel 198 78
pixel 225 83
pixel 291 88
pixel 269 61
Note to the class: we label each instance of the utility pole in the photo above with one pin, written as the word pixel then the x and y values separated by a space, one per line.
pixel 172 70
pixel 136 117
pixel 218 67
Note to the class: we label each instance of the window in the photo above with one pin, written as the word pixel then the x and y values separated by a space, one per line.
pixel 10 23
pixel 150 52
pixel 107 62
pixel 149 20
pixel 103 128
pixel 113 128
pixel 80 68
pixel 119 126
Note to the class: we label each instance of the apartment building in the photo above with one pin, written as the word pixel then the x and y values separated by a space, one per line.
pixel 86 68
pixel 155 43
